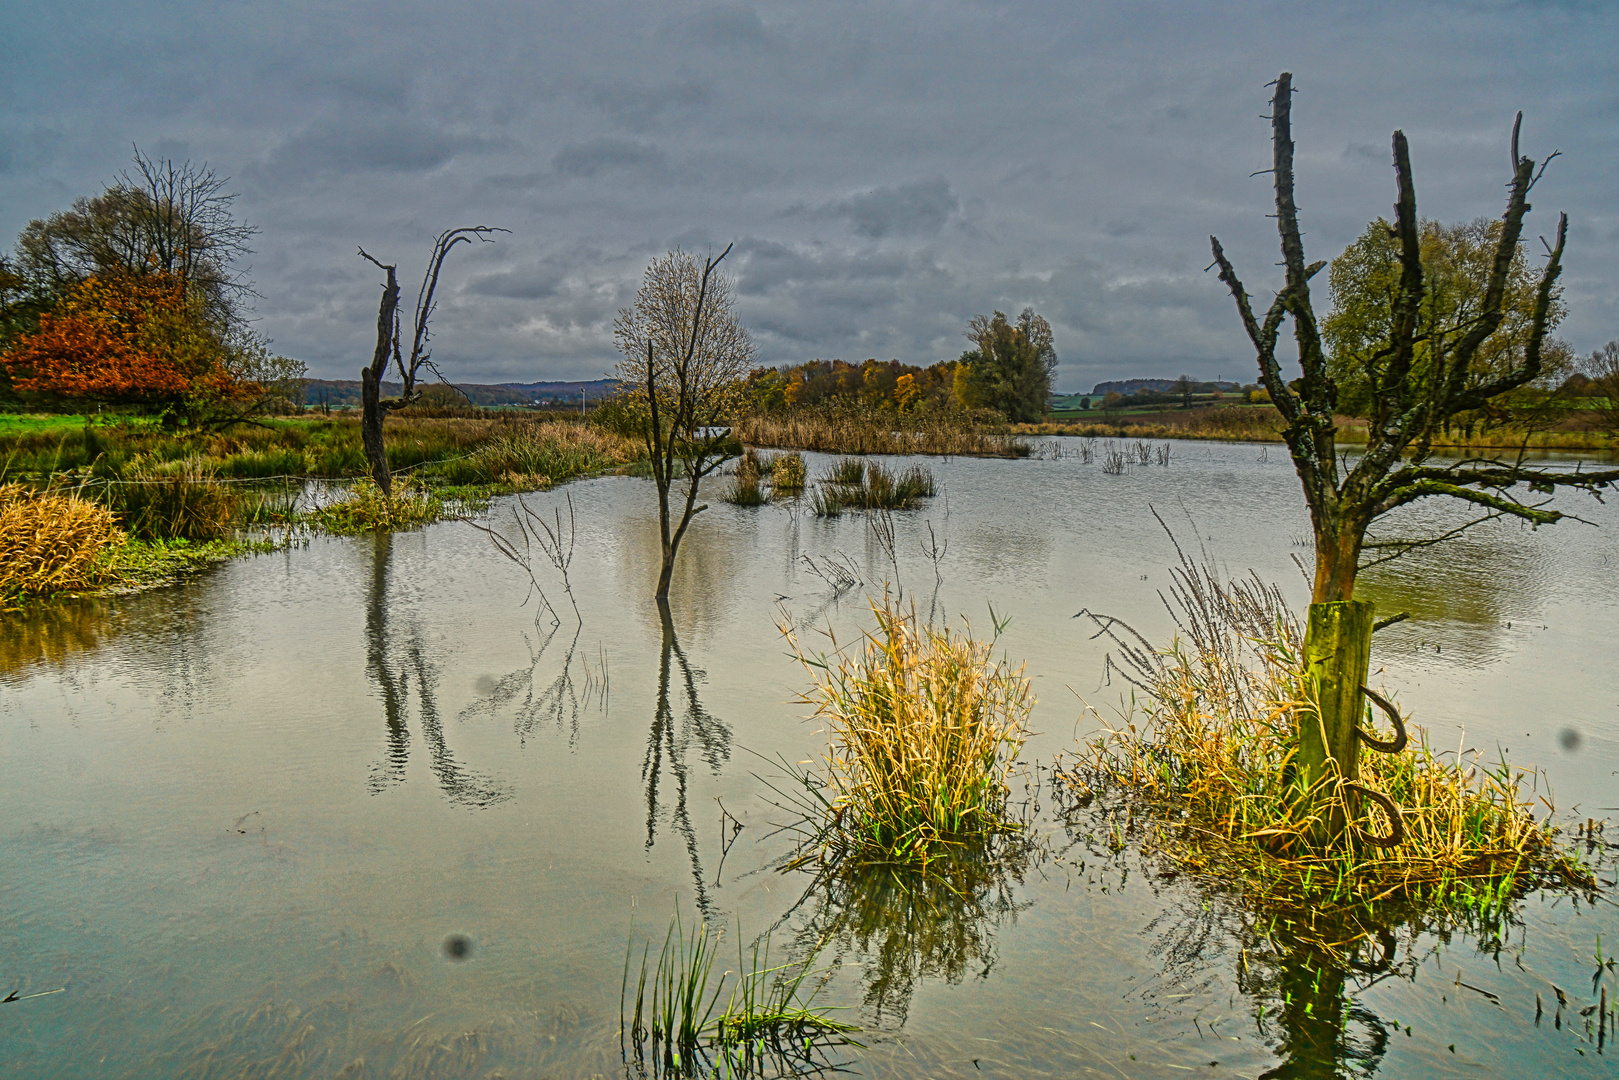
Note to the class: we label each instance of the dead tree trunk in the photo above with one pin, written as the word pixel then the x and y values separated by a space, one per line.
pixel 1413 398
pixel 374 408
pixel 372 411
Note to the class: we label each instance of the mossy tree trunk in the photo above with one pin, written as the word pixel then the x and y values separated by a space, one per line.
pixel 1415 393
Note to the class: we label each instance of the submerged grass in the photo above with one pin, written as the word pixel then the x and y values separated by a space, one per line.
pixel 1207 761
pixel 675 1023
pixel 367 509
pixel 924 726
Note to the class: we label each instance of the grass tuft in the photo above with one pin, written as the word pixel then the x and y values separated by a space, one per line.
pixel 367 509
pixel 788 474
pixel 174 500
pixel 924 726
pixel 52 541
pixel 677 1026
pixel 1210 764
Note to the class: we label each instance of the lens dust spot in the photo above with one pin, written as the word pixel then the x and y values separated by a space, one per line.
pixel 1569 739
pixel 457 947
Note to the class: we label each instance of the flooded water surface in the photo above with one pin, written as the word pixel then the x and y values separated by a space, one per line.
pixel 353 809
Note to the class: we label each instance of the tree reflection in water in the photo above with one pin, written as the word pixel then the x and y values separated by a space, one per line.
pixel 668 743
pixel 394 676
pixel 908 926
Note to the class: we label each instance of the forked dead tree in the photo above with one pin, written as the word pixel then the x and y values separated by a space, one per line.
pixel 685 354
pixel 1414 393
pixel 374 408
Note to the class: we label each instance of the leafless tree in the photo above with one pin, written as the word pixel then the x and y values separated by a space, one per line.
pixel 1412 399
pixel 685 354
pixel 374 407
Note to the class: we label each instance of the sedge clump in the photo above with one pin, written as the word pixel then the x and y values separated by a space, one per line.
pixel 1203 758
pixel 52 541
pixel 924 725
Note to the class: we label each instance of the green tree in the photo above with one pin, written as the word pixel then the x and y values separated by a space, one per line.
pixel 1457 264
pixel 1011 369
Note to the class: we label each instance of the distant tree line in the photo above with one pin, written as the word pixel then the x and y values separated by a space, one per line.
pixel 1008 372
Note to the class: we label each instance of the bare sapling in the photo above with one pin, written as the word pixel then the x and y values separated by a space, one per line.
pixel 685 355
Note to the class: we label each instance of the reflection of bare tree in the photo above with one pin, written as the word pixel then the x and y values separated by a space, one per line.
pixel 394 678
pixel 910 926
pixel 535 703
pixel 668 743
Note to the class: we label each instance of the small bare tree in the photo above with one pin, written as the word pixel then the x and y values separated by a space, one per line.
pixel 685 355
pixel 1413 397
pixel 374 407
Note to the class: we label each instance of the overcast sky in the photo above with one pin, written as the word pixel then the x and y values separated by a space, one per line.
pixel 886 170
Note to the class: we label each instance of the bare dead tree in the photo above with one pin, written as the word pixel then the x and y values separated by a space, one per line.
pixel 1412 399
pixel 374 407
pixel 685 354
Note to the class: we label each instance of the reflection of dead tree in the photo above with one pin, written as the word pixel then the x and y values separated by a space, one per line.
pixel 460 786
pixel 558 703
pixel 668 742
pixel 554 540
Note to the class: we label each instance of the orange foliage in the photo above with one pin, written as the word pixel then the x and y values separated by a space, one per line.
pixel 123 339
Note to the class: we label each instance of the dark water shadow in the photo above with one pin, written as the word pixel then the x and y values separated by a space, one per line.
pixel 397 667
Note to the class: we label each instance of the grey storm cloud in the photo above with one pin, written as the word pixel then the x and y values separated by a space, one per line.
pixel 920 208
pixel 598 156
pixel 885 171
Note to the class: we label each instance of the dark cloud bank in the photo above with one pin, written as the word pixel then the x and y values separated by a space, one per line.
pixel 885 171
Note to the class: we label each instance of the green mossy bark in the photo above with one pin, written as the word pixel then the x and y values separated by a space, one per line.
pixel 1337 651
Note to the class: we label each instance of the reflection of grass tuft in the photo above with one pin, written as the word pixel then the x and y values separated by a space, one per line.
pixel 924 726
pixel 1211 762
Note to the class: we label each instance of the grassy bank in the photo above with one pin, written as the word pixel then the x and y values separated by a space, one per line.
pixel 1263 424
pixel 88 505
pixel 878 431
pixel 507 451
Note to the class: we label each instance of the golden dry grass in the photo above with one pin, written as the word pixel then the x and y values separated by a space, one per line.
pixel 52 541
pixel 1206 763
pixel 875 431
pixel 924 725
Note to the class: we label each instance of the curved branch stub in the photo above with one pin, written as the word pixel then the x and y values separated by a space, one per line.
pixel 1396 833
pixel 1394 745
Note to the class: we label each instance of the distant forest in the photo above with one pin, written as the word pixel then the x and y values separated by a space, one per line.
pixel 344 393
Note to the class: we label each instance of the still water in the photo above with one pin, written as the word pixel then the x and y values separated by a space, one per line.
pixel 243 819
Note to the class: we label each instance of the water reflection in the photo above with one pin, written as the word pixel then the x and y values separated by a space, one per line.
pixel 49 633
pixel 674 726
pixel 394 676
pixel 909 926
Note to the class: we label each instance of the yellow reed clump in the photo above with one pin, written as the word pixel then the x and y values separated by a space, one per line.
pixel 924 726
pixel 52 541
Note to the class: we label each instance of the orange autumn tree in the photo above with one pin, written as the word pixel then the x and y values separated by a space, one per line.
pixel 127 340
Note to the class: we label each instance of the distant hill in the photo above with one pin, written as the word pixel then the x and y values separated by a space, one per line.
pixel 346 392
pixel 1130 386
